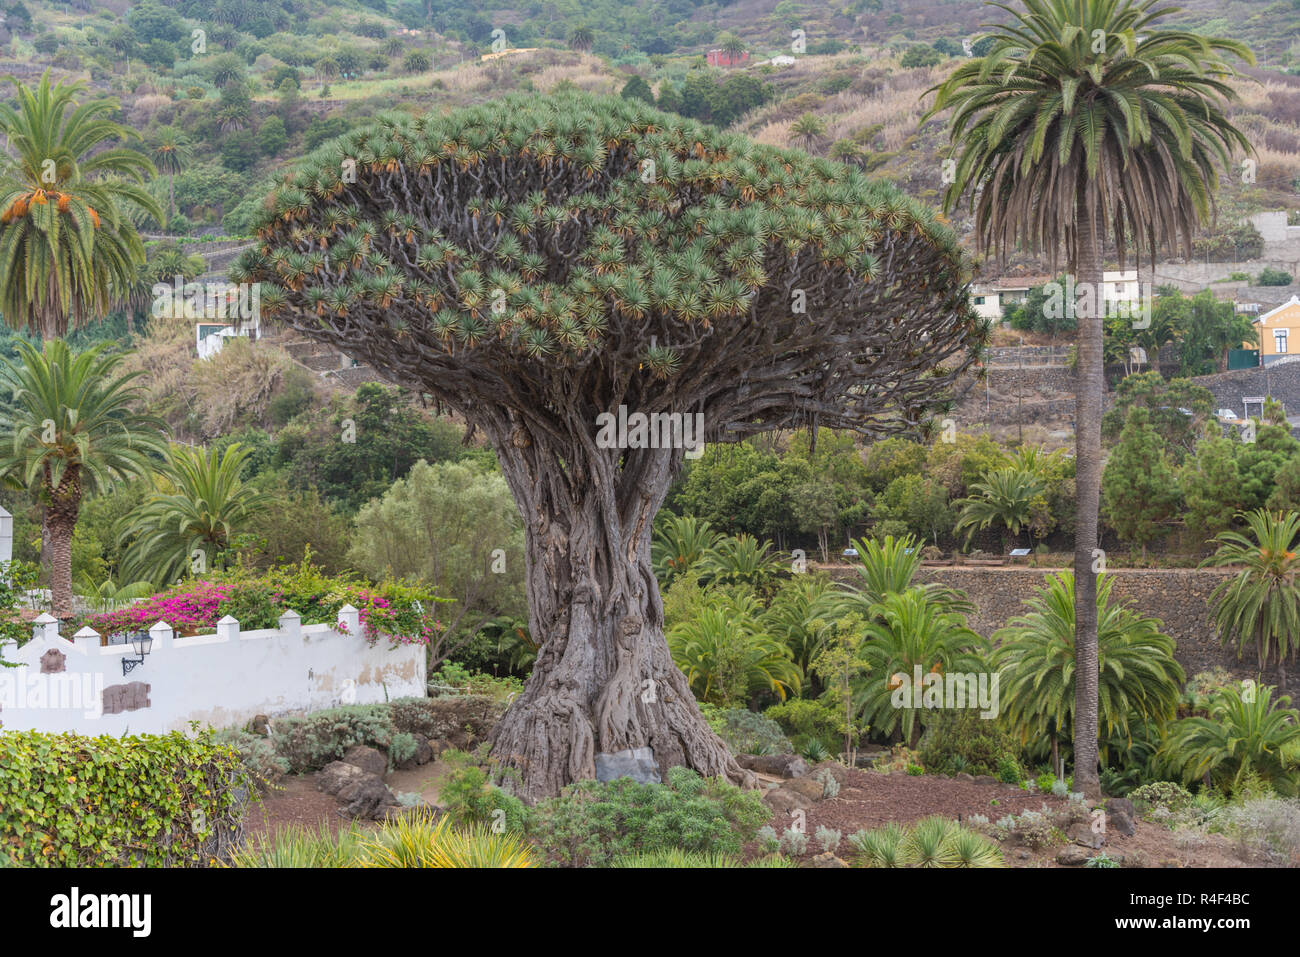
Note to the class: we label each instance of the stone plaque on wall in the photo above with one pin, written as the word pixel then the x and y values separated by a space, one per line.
pixel 127 697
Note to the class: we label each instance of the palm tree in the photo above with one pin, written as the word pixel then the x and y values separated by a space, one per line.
pixel 910 630
pixel 193 526
pixel 1072 128
pixel 732 46
pixel 171 151
pixel 1244 734
pixel 1261 603
pixel 727 656
pixel 792 617
pixel 1003 496
pixel 1138 676
pixel 808 129
pixel 740 560
pixel 678 544
pixel 71 432
pixel 885 567
pixel 65 241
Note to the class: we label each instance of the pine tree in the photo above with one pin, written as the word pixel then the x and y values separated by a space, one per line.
pixel 1138 489
pixel 1211 484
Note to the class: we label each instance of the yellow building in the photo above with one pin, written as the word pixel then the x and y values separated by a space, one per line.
pixel 1279 333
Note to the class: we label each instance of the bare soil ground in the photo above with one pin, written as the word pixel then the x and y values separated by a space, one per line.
pixel 871 799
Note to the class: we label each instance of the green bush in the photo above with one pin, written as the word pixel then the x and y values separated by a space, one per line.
pixel 310 742
pixel 808 719
pixel 980 743
pixel 256 752
pixel 594 822
pixel 468 798
pixel 1273 277
pixel 145 800
pixel 748 733
pixel 1161 794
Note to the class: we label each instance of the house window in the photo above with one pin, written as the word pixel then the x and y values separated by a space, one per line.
pixel 979 300
pixel 1279 340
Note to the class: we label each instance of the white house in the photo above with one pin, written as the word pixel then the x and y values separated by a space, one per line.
pixel 1120 288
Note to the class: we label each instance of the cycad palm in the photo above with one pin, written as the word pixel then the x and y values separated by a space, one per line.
pixel 1138 676
pixel 1261 603
pixel 1074 132
pixel 70 431
pixel 66 243
pixel 192 527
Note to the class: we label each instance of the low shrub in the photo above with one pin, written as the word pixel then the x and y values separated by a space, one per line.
pixel 1266 830
pixel 748 733
pixel 807 721
pixel 594 822
pixel 468 798
pixel 259 757
pixel 310 742
pixel 982 746
pixel 1166 795
pixel 143 800
pixel 677 858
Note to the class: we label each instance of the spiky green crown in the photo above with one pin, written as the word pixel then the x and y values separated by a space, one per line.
pixel 536 234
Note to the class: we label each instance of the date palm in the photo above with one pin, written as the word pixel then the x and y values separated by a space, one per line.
pixel 171 150
pixel 192 526
pixel 910 630
pixel 678 544
pixel 66 243
pixel 69 431
pixel 1245 732
pixel 808 129
pixel 883 567
pixel 1003 496
pixel 1138 676
pixel 1086 123
pixel 1260 605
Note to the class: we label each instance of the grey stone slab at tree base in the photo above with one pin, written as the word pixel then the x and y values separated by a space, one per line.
pixel 636 763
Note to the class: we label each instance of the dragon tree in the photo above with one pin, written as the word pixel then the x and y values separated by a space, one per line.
pixel 538 264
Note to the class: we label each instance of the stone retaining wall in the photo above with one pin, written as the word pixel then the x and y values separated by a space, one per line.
pixel 1178 597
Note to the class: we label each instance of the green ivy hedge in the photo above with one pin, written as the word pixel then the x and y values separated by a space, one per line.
pixel 145 800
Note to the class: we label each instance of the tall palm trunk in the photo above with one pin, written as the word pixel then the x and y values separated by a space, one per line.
pixel 1089 388
pixel 60 523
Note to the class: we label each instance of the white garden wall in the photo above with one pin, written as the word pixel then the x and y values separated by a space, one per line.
pixel 219 680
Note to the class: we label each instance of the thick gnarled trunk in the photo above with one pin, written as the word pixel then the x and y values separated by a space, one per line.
pixel 604 681
pixel 1090 386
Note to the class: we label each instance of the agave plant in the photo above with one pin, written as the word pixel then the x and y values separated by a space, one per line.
pixel 421 840
pixel 1246 733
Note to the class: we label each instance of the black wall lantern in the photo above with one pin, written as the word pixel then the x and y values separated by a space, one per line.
pixel 141 641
